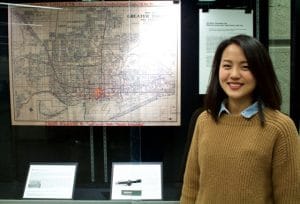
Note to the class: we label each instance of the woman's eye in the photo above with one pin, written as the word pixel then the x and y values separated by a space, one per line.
pixel 245 67
pixel 226 66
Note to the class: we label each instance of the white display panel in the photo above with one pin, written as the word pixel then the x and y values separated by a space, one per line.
pixel 215 26
pixel 50 181
pixel 136 181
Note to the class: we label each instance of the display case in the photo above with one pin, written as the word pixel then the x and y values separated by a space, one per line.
pixel 99 82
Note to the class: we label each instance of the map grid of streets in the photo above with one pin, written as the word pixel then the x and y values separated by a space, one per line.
pixel 95 64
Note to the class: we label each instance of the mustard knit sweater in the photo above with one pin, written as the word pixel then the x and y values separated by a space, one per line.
pixel 236 161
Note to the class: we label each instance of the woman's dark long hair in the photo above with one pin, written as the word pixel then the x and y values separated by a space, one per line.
pixel 267 90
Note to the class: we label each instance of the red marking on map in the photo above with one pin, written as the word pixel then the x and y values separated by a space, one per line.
pixel 71 123
pixel 98 93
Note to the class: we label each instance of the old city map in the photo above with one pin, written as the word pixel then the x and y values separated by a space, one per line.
pixel 95 63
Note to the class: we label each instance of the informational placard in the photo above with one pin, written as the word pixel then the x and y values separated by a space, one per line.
pixel 50 181
pixel 136 181
pixel 214 26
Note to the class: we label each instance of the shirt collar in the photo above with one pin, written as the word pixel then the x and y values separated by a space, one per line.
pixel 246 113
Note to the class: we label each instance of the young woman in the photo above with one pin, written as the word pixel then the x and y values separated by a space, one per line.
pixel 244 150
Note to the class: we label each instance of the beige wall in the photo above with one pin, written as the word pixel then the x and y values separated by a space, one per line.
pixel 279 36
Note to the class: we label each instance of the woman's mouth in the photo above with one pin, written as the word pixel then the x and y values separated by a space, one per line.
pixel 234 85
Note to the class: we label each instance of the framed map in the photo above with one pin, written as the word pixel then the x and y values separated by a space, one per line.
pixel 108 63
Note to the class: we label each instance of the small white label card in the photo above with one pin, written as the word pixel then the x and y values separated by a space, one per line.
pixel 51 181
pixel 136 181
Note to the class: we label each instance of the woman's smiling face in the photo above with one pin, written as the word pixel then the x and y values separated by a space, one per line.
pixel 235 78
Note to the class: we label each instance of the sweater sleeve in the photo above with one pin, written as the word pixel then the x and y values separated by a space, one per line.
pixel 286 165
pixel 191 176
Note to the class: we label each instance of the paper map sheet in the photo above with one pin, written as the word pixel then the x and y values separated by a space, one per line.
pixel 95 64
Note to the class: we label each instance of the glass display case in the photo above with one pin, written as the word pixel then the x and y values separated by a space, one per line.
pixel 91 83
pixel 99 82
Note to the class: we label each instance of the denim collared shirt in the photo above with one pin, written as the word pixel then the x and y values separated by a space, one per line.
pixel 246 113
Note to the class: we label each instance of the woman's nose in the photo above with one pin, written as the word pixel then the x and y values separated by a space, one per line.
pixel 235 72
